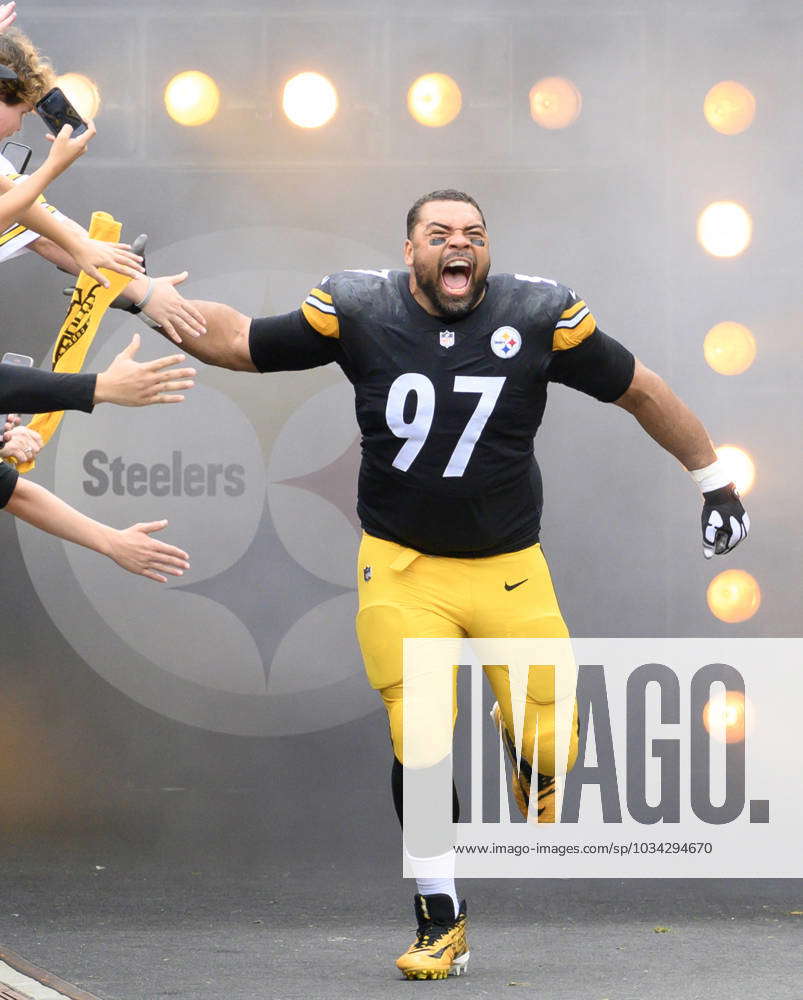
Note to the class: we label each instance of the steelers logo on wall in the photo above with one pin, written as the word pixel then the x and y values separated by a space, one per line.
pixel 257 476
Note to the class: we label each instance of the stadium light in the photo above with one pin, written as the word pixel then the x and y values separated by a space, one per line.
pixel 733 596
pixel 729 348
pixel 724 229
pixel 434 100
pixel 192 98
pixel 727 716
pixel 82 93
pixel 555 102
pixel 309 100
pixel 729 107
pixel 739 466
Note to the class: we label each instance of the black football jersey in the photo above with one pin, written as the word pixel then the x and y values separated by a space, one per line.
pixel 448 409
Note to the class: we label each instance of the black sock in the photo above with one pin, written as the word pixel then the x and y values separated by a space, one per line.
pixel 397 787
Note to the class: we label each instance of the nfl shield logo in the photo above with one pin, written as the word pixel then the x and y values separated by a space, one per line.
pixel 447 338
pixel 366 573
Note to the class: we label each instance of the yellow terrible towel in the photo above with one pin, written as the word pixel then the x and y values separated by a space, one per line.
pixel 88 305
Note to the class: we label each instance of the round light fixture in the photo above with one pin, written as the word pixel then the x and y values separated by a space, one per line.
pixel 733 596
pixel 555 102
pixel 729 348
pixel 309 100
pixel 192 98
pixel 724 229
pixel 434 100
pixel 729 107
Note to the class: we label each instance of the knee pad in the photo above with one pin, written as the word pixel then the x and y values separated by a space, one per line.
pixel 380 628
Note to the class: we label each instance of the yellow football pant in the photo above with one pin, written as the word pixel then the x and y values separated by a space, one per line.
pixel 405 594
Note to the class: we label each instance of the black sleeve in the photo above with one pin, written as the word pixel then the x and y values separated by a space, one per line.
pixel 8 480
pixel 599 366
pixel 30 390
pixel 288 343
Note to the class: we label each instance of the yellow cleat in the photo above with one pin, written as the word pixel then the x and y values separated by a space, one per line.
pixel 440 948
pixel 521 777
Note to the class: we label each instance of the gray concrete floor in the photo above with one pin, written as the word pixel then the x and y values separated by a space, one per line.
pixel 129 923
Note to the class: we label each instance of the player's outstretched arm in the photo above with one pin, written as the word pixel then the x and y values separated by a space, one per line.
pixel 161 301
pixel 133 548
pixel 226 341
pixel 69 246
pixel 668 420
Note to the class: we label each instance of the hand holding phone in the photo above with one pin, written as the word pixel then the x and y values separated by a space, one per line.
pixel 66 148
pixel 56 111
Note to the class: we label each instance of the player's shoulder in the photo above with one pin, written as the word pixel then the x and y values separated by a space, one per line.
pixel 545 306
pixel 533 291
pixel 358 288
pixel 358 296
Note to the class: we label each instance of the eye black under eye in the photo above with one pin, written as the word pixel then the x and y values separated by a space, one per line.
pixel 436 241
pixel 478 241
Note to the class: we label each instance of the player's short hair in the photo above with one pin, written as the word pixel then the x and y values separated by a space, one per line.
pixel 35 75
pixel 447 195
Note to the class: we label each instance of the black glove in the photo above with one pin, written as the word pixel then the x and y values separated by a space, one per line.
pixel 121 302
pixel 725 522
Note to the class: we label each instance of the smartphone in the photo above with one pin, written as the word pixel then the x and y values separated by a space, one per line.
pixel 56 111
pixel 17 154
pixel 9 358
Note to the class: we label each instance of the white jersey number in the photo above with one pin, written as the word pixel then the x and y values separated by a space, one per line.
pixel 416 430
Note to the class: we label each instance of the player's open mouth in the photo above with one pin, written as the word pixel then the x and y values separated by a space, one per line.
pixel 456 275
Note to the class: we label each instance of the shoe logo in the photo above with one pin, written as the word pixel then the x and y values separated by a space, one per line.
pixel 512 586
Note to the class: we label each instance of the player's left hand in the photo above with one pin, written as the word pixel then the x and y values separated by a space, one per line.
pixel 171 311
pixel 725 521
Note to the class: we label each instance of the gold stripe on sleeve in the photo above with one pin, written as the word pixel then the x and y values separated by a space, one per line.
pixel 573 310
pixel 323 296
pixel 565 338
pixel 324 323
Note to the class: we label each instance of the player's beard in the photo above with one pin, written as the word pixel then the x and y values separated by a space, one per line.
pixel 450 306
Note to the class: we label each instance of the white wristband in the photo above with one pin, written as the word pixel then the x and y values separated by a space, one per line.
pixel 712 477
pixel 147 296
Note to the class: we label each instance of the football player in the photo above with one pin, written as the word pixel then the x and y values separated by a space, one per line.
pixel 450 367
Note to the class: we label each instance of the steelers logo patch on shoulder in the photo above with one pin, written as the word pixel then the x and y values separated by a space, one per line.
pixel 505 342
